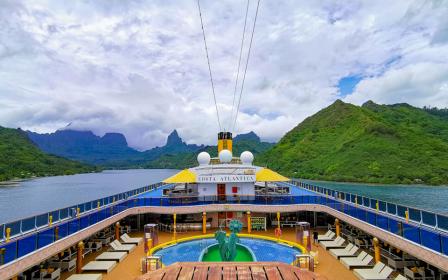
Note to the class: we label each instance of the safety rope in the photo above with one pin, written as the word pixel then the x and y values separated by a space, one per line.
pixel 239 64
pixel 209 67
pixel 247 63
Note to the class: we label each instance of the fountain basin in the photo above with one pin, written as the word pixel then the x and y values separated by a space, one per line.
pixel 212 254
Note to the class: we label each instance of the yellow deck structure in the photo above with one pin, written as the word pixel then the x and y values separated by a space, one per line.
pixel 267 175
pixel 185 176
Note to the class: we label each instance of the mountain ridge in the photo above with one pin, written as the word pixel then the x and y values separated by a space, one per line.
pixel 371 143
pixel 112 150
pixel 21 158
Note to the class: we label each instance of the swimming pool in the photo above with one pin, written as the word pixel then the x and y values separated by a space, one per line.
pixel 263 250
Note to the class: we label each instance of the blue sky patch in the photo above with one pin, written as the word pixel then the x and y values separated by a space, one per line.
pixel 347 84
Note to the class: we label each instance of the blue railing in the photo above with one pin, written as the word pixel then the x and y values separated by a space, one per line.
pixel 422 234
pixel 430 219
pixel 30 224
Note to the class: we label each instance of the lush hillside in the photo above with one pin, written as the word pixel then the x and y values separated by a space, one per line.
pixel 20 158
pixel 373 143
pixel 242 142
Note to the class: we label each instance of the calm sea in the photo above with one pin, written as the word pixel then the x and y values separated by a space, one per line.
pixel 31 197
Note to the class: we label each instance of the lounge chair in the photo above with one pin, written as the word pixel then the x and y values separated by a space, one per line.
pixel 86 277
pixel 400 277
pixel 99 266
pixel 420 273
pixel 337 243
pixel 129 240
pixel 329 235
pixel 339 253
pixel 361 261
pixel 378 272
pixel 94 245
pixel 117 246
pixel 64 264
pixel 112 256
pixel 51 274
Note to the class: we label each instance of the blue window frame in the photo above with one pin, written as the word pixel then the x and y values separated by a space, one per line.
pixel 391 208
pixel 429 218
pixel 415 215
pixel 42 220
pixel 412 233
pixel 15 228
pixel 45 237
pixel 430 239
pixel 10 252
pixel 26 245
pixel 28 224
pixel 442 222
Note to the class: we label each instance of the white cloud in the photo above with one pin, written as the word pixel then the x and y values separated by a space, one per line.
pixel 417 84
pixel 138 67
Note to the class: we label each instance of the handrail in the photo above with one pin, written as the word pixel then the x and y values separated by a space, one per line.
pixel 32 223
pixel 408 215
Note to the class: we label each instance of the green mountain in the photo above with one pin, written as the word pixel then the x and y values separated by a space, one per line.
pixel 108 151
pixel 20 158
pixel 242 142
pixel 372 143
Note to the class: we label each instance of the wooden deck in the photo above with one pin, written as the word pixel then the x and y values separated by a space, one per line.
pixel 230 271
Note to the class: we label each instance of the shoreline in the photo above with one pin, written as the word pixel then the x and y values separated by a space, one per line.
pixel 374 184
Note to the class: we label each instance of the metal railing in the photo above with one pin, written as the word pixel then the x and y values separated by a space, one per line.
pixel 27 225
pixel 428 236
pixel 430 219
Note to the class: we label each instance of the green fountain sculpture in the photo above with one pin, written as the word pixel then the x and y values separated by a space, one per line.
pixel 227 246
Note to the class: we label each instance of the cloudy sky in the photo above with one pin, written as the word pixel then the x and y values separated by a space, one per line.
pixel 139 67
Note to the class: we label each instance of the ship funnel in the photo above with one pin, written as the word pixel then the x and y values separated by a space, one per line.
pixel 224 141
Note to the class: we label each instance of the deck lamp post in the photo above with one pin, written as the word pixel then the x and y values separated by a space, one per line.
pixel 117 231
pixel 338 227
pixel 249 223
pixel 149 245
pixel 80 248
pixel 278 220
pixel 2 256
pixel 376 247
pixel 204 222
pixel 56 233
pixel 8 234
pixel 174 227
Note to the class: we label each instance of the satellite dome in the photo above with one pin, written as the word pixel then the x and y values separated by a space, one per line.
pixel 203 158
pixel 247 158
pixel 225 156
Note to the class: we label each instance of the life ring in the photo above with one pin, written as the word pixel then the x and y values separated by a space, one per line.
pixel 278 232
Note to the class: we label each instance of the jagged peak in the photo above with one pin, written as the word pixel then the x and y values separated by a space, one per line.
pixel 247 136
pixel 114 138
pixel 369 103
pixel 174 139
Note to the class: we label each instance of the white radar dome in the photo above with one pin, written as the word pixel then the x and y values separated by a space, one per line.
pixel 203 158
pixel 225 156
pixel 247 158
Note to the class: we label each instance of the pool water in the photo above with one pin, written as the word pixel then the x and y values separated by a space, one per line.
pixel 262 249
pixel 213 255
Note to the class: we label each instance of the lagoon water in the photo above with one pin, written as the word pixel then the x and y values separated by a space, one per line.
pixel 36 196
pixel 431 198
